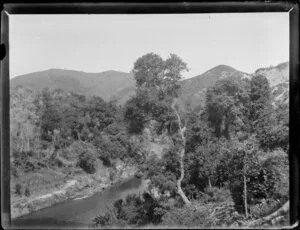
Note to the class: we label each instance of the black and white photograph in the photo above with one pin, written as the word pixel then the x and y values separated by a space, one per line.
pixel 149 120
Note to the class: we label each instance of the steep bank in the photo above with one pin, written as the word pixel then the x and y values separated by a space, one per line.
pixel 79 212
pixel 76 187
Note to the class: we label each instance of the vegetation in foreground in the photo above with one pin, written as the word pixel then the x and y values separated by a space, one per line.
pixel 226 165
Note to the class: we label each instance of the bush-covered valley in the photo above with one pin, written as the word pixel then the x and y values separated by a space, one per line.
pixel 223 165
pixel 58 137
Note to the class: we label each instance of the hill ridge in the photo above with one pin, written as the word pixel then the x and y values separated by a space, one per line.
pixel 120 86
pixel 68 70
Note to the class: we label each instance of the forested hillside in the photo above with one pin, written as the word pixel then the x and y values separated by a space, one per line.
pixel 194 89
pixel 59 137
pixel 221 163
pixel 227 165
pixel 120 86
pixel 109 85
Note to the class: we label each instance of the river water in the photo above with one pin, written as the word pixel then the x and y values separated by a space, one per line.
pixel 78 213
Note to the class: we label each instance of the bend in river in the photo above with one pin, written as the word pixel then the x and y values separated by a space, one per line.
pixel 80 212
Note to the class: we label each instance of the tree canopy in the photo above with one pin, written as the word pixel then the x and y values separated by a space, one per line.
pixel 157 82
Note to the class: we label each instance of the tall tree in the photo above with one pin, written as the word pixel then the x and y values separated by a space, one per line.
pixel 157 87
pixel 148 71
pixel 269 124
pixel 208 155
pixel 24 122
pixel 226 106
pixel 245 173
pixel 260 103
pixel 50 116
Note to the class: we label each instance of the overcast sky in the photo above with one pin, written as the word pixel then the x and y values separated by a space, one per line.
pixel 96 43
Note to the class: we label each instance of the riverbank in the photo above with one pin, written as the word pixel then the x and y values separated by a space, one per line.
pixel 73 188
pixel 80 213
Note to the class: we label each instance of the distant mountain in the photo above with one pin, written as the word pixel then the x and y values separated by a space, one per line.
pixel 108 85
pixel 120 86
pixel 194 89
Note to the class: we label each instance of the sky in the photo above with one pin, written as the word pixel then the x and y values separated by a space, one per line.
pixel 97 43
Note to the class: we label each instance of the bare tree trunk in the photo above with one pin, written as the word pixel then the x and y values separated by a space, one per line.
pixel 209 182
pixel 245 196
pixel 245 184
pixel 180 191
pixel 78 135
pixel 181 156
pixel 28 144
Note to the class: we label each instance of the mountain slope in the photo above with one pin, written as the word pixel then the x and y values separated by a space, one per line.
pixel 194 89
pixel 120 86
pixel 108 84
pixel 278 77
pixel 275 74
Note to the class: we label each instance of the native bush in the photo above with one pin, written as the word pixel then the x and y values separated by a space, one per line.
pixel 218 194
pixel 187 216
pixel 265 207
pixel 27 192
pixel 18 189
pixel 135 210
pixel 87 162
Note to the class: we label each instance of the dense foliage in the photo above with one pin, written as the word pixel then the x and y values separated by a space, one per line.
pixel 134 211
pixel 235 152
pixel 232 154
pixel 157 82
pixel 56 122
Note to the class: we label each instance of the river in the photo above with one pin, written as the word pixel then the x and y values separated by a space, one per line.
pixel 78 213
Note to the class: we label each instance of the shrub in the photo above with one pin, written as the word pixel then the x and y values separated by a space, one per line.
pixel 107 219
pixel 14 172
pixel 218 194
pixel 265 208
pixel 27 192
pixel 236 189
pixel 113 129
pixel 87 155
pixel 135 115
pixel 276 171
pixel 245 164
pixel 30 207
pixel 275 137
pixel 188 216
pixel 87 162
pixel 112 175
pixel 105 160
pixel 133 211
pixel 29 166
pixel 19 189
